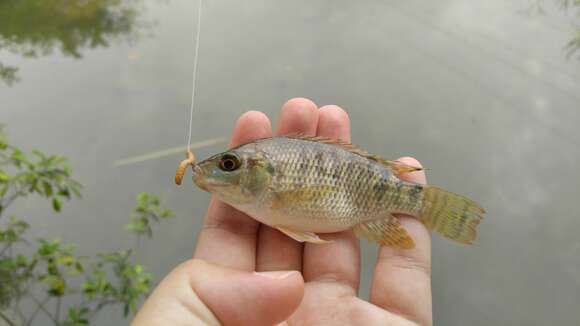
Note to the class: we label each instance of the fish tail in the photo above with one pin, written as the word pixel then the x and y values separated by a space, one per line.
pixel 452 215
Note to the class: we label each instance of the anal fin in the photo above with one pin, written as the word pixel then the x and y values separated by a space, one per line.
pixel 387 231
pixel 301 236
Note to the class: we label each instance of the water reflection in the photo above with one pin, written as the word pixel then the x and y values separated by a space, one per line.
pixel 32 28
pixel 572 10
pixel 573 6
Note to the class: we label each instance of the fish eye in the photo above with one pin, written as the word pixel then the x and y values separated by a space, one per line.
pixel 229 162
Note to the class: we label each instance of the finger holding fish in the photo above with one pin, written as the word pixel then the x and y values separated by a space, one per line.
pixel 304 186
pixel 276 251
pixel 228 237
pixel 402 278
pixel 316 191
pixel 320 263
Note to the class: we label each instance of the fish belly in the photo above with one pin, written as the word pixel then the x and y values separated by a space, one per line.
pixel 317 224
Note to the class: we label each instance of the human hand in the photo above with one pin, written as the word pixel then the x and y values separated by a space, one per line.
pixel 220 286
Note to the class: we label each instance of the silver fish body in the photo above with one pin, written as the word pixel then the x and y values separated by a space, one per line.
pixel 304 186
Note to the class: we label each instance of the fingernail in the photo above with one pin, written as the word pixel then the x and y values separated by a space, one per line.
pixel 278 275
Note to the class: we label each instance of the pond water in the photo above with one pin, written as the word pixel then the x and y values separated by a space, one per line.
pixel 482 93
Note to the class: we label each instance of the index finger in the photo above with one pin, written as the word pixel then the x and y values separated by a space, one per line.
pixel 402 280
pixel 228 237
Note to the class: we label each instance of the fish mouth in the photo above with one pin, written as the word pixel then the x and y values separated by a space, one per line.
pixel 201 179
pixel 198 177
pixel 196 169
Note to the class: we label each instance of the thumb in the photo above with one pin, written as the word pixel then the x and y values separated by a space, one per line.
pixel 199 292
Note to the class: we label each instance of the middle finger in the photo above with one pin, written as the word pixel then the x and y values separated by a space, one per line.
pixel 276 251
pixel 339 261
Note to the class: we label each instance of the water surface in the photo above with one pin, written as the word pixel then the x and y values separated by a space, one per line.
pixel 482 93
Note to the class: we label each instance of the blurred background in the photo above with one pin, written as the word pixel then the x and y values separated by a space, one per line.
pixel 485 94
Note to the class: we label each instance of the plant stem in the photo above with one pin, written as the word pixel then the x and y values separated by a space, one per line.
pixel 33 315
pixel 57 309
pixel 5 248
pixel 7 201
pixel 20 315
pixel 17 308
pixel 12 198
pixel 101 304
pixel 6 319
pixel 42 307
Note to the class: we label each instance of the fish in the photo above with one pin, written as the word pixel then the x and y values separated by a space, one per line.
pixel 306 186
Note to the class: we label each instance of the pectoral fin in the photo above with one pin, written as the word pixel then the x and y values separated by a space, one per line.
pixel 302 236
pixel 388 232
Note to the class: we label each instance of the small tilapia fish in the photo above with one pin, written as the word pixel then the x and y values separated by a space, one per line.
pixel 303 186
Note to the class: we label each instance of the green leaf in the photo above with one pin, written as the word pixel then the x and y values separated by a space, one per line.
pixel 21 261
pixel 56 204
pixel 40 155
pixel 64 193
pixel 76 189
pixel 18 157
pixel 56 285
pixel 79 267
pixel 77 317
pixel 66 260
pixel 142 199
pixel 47 188
pixel 148 209
pixel 4 177
pixel 167 214
pixel 48 248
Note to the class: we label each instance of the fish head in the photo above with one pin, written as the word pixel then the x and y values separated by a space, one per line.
pixel 237 176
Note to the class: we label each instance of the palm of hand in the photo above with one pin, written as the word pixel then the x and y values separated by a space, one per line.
pixel 400 293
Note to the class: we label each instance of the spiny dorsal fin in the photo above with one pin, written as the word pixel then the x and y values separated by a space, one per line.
pixel 397 167
pixel 324 140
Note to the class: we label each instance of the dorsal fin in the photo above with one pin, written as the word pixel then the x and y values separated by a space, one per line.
pixel 397 167
pixel 324 140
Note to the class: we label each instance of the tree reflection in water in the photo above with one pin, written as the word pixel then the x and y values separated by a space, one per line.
pixel 570 7
pixel 34 28
pixel 574 7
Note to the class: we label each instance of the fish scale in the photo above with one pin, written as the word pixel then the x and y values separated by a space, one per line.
pixel 298 167
pixel 304 186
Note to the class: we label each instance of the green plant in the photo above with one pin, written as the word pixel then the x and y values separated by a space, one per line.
pixel 44 272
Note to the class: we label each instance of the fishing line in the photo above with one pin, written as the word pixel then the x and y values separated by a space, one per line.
pixel 195 61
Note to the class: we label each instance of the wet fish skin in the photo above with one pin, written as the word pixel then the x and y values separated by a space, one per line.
pixel 304 186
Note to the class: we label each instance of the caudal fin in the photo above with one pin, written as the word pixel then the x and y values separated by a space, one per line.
pixel 450 214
